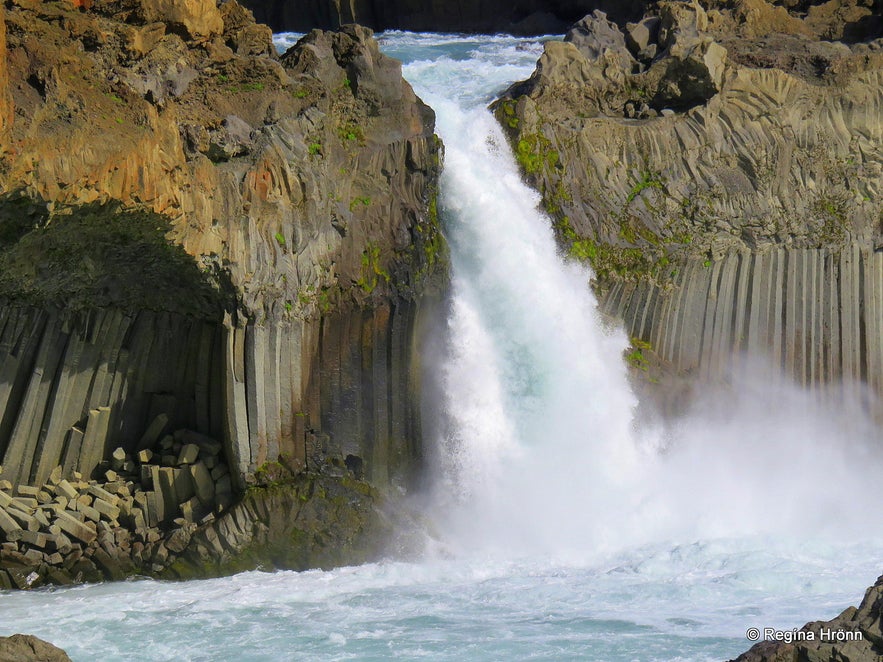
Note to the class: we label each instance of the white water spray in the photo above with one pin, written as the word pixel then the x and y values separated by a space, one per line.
pixel 540 435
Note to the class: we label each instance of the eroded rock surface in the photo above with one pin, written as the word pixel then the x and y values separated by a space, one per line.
pixel 194 227
pixel 720 167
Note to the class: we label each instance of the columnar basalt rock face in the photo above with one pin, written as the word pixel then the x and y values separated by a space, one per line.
pixel 725 186
pixel 194 227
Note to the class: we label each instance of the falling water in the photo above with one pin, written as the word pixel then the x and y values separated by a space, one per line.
pixel 542 439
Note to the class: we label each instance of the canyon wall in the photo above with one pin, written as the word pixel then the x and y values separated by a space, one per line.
pixel 720 169
pixel 197 234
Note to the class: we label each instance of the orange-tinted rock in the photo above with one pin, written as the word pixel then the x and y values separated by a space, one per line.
pixel 6 111
pixel 200 19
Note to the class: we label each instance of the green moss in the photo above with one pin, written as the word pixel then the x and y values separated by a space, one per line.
pixel 364 201
pixel 532 153
pixel 832 219
pixel 372 269
pixel 351 132
pixel 648 180
pixel 315 148
pixel 280 239
pixel 634 355
pixel 103 255
pixel 508 110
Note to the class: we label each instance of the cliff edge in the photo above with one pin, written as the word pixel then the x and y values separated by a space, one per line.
pixel 718 164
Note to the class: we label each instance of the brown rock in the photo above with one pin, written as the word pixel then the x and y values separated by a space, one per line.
pixel 27 648
pixel 140 40
pixel 199 19
pixel 6 107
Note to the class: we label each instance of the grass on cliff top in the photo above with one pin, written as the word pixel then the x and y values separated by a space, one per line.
pixel 99 255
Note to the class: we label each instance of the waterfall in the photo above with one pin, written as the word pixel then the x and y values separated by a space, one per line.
pixel 541 449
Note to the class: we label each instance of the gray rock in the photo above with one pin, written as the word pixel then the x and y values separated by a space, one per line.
pixel 641 37
pixel 600 40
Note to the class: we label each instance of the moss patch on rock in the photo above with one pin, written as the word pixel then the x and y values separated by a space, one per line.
pixel 101 255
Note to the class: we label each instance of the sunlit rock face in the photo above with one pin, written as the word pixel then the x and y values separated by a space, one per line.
pixel 194 227
pixel 720 169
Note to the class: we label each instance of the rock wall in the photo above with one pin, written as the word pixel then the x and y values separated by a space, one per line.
pixel 326 389
pixel 75 386
pixel 6 110
pixel 816 313
pixel 195 229
pixel 721 172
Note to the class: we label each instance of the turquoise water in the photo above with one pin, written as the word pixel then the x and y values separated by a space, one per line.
pixel 562 531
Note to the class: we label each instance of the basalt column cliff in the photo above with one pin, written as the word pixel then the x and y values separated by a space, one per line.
pixel 211 262
pixel 719 164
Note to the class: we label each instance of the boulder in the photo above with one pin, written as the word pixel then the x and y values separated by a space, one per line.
pixel 27 648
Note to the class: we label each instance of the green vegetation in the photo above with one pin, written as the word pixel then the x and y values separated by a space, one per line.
pixel 363 201
pixel 533 152
pixel 301 94
pixel 351 132
pixel 508 109
pixel 246 87
pixel 315 148
pixel 280 239
pixel 832 215
pixel 372 269
pixel 634 355
pixel 101 255
pixel 648 180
